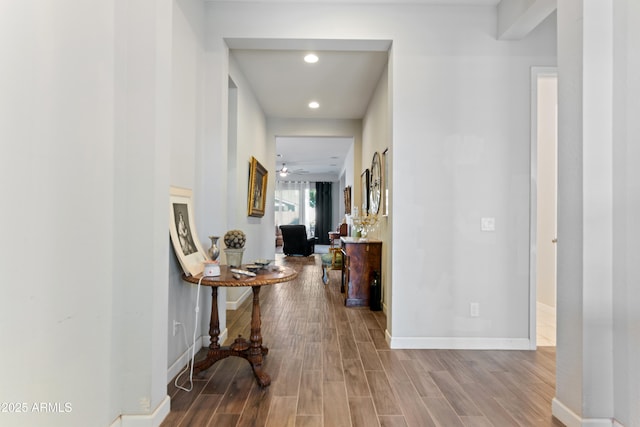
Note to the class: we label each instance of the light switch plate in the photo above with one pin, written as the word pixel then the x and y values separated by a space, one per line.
pixel 488 224
pixel 474 309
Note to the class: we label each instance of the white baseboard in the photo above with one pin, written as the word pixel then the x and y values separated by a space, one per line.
pixel 571 419
pixel 233 305
pixel 181 362
pixel 457 343
pixel 148 420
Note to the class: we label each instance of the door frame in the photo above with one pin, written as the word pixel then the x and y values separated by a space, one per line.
pixel 533 204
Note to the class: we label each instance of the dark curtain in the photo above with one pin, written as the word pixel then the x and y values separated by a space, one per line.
pixel 323 212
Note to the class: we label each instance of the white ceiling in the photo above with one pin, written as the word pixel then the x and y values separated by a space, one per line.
pixel 342 81
pixel 312 158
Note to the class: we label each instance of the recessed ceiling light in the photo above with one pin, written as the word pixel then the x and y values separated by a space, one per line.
pixel 314 105
pixel 311 58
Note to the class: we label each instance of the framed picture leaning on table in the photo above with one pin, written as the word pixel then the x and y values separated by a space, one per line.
pixel 183 233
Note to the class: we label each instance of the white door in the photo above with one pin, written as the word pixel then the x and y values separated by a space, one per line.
pixel 544 205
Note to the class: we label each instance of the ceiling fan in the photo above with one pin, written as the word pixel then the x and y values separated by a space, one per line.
pixel 284 171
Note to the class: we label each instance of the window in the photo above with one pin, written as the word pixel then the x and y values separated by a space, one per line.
pixel 295 203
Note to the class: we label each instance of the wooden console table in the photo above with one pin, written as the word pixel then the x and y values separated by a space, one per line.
pixel 360 258
pixel 253 350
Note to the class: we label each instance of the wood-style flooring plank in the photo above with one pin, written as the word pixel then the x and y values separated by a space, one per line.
pixel 288 378
pixel 236 395
pixel 369 356
pixel 223 376
pixel 382 393
pixel 392 421
pixel 309 421
pixel 477 421
pixel 421 380
pixel 442 412
pixel 312 356
pixel 332 366
pixel 378 339
pixel 360 332
pixel 485 399
pixel 282 412
pixel 220 420
pixel 414 410
pixel 181 402
pixel 392 366
pixel 453 391
pixel 354 378
pixel 363 413
pixel 256 408
pixel 310 396
pixel 348 347
pixel 335 408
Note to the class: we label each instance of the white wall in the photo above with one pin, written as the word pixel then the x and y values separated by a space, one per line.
pixel 85 160
pixel 377 137
pixel 626 231
pixel 461 118
pixel 142 126
pixel 189 165
pixel 250 142
pixel 597 368
pixel 460 104
pixel 57 169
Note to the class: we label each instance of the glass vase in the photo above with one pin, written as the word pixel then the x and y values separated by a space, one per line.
pixel 214 250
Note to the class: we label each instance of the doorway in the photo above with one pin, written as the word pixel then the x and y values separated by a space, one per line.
pixel 544 154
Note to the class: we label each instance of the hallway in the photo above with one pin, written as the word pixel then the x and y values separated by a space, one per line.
pixel 331 367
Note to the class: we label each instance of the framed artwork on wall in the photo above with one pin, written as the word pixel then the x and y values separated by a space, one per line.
pixel 347 200
pixel 385 182
pixel 183 233
pixel 364 191
pixel 257 188
pixel 375 184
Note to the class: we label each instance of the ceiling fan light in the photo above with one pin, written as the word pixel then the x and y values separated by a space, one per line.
pixel 313 105
pixel 311 58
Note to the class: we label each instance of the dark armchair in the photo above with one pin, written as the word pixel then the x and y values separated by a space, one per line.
pixel 296 241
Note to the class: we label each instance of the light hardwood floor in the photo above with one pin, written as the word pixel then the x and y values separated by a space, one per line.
pixel 546 325
pixel 330 366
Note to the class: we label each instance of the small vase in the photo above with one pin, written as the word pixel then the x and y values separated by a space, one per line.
pixel 214 250
pixel 234 256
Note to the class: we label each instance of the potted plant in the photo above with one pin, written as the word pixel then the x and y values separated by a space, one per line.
pixel 234 241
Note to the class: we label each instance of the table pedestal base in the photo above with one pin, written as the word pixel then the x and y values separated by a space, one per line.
pixel 214 355
pixel 252 350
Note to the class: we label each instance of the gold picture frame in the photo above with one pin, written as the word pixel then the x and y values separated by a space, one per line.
pixel 258 176
pixel 364 192
pixel 347 200
pixel 385 182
